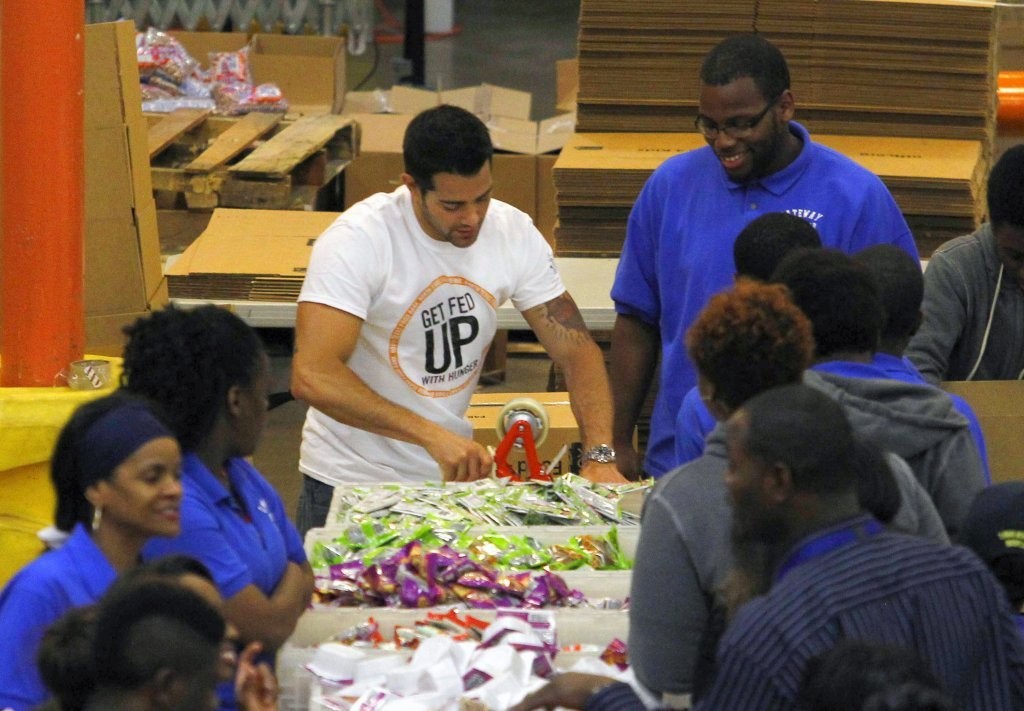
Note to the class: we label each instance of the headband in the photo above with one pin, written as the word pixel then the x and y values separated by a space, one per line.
pixel 114 437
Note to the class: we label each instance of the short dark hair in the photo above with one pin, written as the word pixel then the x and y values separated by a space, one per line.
pixel 187 360
pixel 900 284
pixel 150 625
pixel 855 675
pixel 764 242
pixel 750 339
pixel 807 431
pixel 1006 189
pixel 748 55
pixel 838 296
pixel 65 658
pixel 67 461
pixel 445 139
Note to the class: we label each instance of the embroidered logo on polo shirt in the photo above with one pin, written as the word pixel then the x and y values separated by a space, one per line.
pixel 264 507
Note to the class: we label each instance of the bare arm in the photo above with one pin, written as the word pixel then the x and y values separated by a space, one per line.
pixel 271 619
pixel 560 329
pixel 634 356
pixel 324 341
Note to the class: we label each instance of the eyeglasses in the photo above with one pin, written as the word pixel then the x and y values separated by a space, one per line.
pixel 740 128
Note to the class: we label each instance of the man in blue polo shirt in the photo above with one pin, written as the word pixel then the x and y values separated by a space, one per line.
pixel 678 248
pixel 813 570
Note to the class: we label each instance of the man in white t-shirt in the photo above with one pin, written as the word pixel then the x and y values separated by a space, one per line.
pixel 397 312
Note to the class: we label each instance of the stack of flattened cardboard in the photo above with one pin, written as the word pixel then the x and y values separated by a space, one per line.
pixel 248 255
pixel 598 176
pixel 597 179
pixel 917 68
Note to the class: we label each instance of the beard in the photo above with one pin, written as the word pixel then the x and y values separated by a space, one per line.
pixel 759 544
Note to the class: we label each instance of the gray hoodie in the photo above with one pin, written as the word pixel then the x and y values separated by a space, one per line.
pixel 959 285
pixel 684 554
pixel 920 424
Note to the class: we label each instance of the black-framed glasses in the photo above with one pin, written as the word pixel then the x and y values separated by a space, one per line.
pixel 736 128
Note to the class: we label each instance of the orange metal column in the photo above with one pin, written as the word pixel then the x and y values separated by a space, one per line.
pixel 41 222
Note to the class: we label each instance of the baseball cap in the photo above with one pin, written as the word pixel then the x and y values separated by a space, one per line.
pixel 994 527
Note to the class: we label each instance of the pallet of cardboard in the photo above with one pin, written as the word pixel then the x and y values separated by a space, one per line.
pixel 255 161
pixel 937 183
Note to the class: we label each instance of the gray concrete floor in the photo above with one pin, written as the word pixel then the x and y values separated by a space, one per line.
pixel 512 43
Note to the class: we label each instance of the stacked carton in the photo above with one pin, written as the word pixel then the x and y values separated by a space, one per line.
pixel 919 73
pixel 865 67
pixel 934 181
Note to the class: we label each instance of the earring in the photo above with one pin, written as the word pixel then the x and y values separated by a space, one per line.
pixel 97 517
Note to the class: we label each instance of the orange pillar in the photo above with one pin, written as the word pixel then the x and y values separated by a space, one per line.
pixel 41 176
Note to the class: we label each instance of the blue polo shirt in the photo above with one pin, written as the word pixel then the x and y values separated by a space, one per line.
pixel 693 423
pixel 243 545
pixel 679 238
pixel 74 575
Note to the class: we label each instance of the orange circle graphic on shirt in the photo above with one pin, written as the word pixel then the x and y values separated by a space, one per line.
pixel 410 313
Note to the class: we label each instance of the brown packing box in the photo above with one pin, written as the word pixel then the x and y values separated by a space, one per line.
pixel 505 111
pixel 485 408
pixel 379 165
pixel 309 70
pixel 121 249
pixel 997 403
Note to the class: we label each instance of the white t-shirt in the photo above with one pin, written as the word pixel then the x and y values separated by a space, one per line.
pixel 429 315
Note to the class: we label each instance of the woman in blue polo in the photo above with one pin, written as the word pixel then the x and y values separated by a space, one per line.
pixel 207 369
pixel 115 472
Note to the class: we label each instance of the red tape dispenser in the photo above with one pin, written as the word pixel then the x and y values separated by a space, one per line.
pixel 523 424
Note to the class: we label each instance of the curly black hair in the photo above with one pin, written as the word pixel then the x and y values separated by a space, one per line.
pixel 750 339
pixel 186 360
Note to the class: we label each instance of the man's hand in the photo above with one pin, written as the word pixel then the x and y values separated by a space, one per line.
pixel 570 690
pixel 255 684
pixel 602 473
pixel 628 462
pixel 460 459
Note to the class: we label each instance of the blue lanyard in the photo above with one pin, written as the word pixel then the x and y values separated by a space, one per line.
pixel 829 542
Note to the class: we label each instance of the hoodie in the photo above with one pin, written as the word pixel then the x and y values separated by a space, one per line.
pixel 916 422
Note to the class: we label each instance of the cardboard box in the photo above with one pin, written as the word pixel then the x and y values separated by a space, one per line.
pixel 997 403
pixel 122 273
pixel 379 165
pixel 309 70
pixel 485 409
pixel 505 111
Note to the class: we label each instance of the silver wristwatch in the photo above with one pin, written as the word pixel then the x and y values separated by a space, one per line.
pixel 602 453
